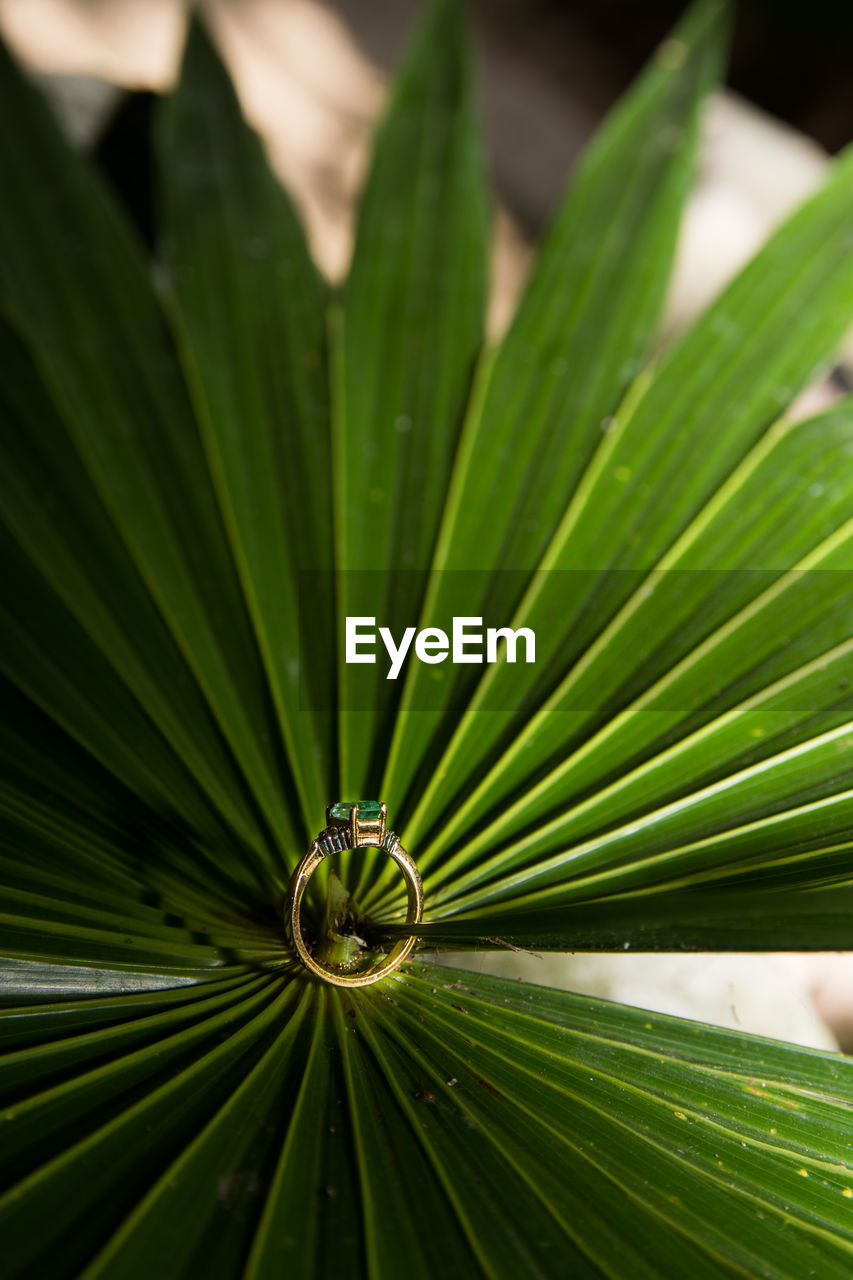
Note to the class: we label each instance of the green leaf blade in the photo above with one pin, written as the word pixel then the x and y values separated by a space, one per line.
pixel 411 329
pixel 77 286
pixel 560 372
pixel 249 311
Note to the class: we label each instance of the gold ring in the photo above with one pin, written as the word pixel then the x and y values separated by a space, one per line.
pixel 353 825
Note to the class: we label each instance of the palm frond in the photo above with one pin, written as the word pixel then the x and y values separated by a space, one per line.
pixel 206 463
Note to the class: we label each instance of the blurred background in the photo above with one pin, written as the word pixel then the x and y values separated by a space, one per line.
pixel 312 76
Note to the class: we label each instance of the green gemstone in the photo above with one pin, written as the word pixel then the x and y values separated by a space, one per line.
pixel 368 810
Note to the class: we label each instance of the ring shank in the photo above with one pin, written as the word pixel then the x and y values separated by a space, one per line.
pixel 395 957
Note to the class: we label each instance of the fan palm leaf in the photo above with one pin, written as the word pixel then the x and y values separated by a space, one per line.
pixel 211 459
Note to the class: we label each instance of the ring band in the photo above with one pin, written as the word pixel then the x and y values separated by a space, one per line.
pixel 354 825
